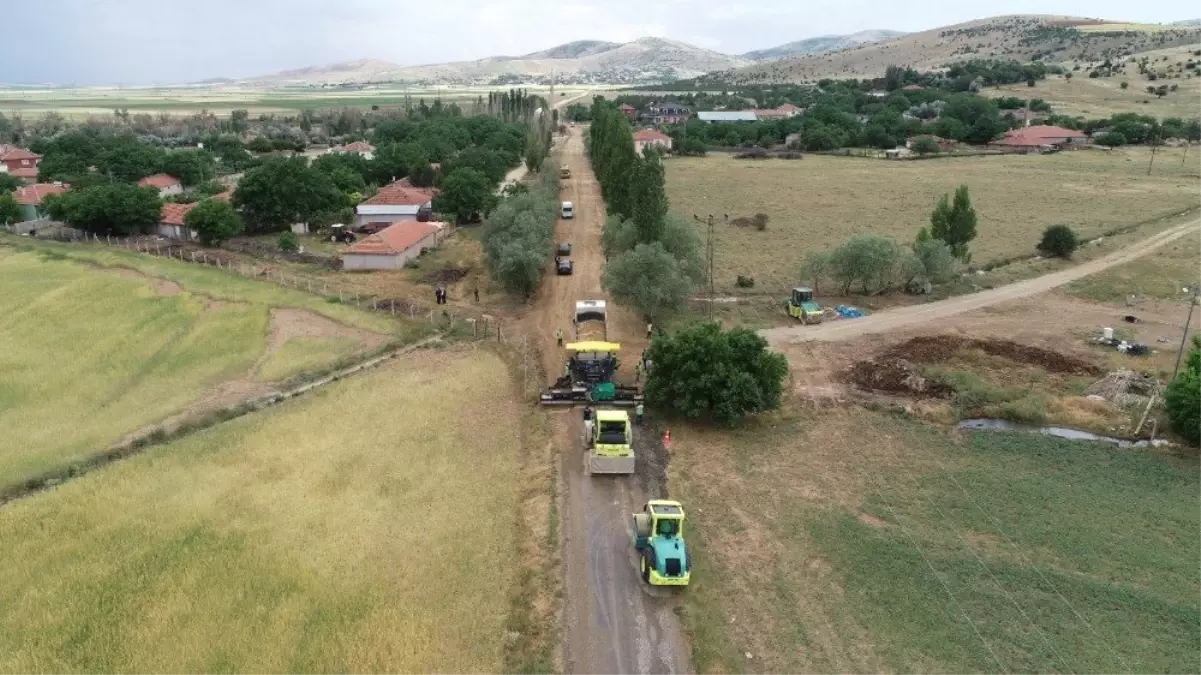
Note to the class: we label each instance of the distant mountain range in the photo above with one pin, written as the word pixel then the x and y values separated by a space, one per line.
pixel 645 60
pixel 821 44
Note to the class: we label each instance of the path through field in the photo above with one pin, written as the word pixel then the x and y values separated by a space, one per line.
pixel 904 317
pixel 612 623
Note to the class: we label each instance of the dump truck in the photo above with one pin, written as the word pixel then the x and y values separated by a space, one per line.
pixel 659 541
pixel 565 172
pixel 610 442
pixel 800 305
pixel 589 321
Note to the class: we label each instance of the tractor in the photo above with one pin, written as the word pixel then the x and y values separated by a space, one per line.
pixel 609 440
pixel 800 305
pixel 659 541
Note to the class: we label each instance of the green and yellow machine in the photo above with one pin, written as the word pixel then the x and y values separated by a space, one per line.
pixel 591 364
pixel 610 448
pixel 801 306
pixel 659 540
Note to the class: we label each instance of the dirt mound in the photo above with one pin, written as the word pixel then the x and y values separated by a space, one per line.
pixel 896 376
pixel 446 275
pixel 941 347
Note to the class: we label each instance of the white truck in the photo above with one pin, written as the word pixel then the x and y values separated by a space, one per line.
pixel 568 211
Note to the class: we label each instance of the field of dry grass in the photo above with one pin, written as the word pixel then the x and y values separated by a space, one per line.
pixel 312 537
pixel 854 541
pixel 817 202
pixel 1160 275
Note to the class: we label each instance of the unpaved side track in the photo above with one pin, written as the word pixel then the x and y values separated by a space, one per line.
pixel 612 622
pixel 904 317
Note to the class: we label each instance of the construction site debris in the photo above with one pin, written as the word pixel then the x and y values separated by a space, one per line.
pixel 896 376
pixel 941 347
pixel 1126 388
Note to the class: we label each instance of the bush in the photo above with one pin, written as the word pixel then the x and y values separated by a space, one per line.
pixel 214 221
pixel 868 259
pixel 745 282
pixel 704 372
pixel 1124 85
pixel 287 241
pixel 1059 241
pixel 1111 138
pixel 760 221
pixel 1182 400
pixel 926 146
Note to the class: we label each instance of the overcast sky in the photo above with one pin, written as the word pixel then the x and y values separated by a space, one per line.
pixel 170 41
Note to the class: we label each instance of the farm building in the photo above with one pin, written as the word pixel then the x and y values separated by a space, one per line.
pixel 19 162
pixel 30 197
pixel 786 110
pixel 395 245
pixel 651 138
pixel 361 148
pixel 1040 136
pixel 628 110
pixel 395 202
pixel 170 222
pixel 166 185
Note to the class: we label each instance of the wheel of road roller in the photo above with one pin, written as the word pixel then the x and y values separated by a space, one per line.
pixel 646 566
pixel 642 525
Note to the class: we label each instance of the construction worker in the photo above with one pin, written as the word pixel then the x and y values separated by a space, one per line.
pixel 638 412
pixel 559 336
pixel 567 369
pixel 649 328
pixel 637 371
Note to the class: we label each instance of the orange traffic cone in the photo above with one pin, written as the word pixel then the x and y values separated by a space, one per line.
pixel 667 438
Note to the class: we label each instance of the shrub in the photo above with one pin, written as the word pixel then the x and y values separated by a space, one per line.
pixel 1111 138
pixel 745 282
pixel 926 146
pixel 1124 85
pixel 760 221
pixel 1059 241
pixel 1182 400
pixel 287 241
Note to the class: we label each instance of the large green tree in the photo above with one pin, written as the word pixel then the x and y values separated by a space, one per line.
pixel 649 279
pixel 191 167
pixel 283 191
pixel 649 199
pixel 704 372
pixel 955 223
pixel 214 221
pixel 10 210
pixel 394 161
pixel 465 194
pixel 110 208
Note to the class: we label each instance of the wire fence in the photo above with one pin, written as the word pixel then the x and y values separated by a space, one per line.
pixel 455 320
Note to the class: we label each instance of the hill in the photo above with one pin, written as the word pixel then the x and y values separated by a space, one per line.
pixel 583 62
pixel 1018 37
pixel 821 44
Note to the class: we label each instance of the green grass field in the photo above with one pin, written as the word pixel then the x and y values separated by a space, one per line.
pixel 93 354
pixel 817 202
pixel 861 542
pixel 304 538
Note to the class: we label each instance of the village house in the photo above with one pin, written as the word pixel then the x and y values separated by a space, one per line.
pixel 651 138
pixel 361 148
pixel 727 116
pixel 166 185
pixel 669 113
pixel 628 110
pixel 395 202
pixel 782 112
pixel 19 162
pixel 395 245
pixel 30 197
pixel 170 222
pixel 1042 137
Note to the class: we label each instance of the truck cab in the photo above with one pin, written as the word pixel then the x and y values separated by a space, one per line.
pixel 659 540
pixel 568 211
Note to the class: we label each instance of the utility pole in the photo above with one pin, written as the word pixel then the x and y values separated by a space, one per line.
pixel 711 221
pixel 1154 144
pixel 1192 301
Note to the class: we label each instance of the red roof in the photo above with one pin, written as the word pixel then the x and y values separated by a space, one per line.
pixel 159 180
pixel 650 135
pixel 399 194
pixel 357 146
pixel 788 107
pixel 1039 135
pixel 32 195
pixel 12 152
pixel 625 107
pixel 172 214
pixel 397 238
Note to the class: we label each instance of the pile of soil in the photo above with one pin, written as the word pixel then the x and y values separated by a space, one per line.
pixel 896 376
pixel 446 275
pixel 941 347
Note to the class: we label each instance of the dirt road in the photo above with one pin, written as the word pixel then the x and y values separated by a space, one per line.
pixel 903 317
pixel 612 622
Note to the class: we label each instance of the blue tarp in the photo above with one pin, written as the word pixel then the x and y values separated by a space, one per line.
pixel 848 312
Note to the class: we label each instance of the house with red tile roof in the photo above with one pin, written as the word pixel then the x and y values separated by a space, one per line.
pixel 19 162
pixel 395 202
pixel 30 197
pixel 170 221
pixel 651 138
pixel 1042 136
pixel 360 148
pixel 165 184
pixel 392 247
